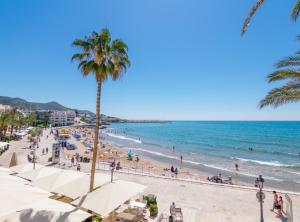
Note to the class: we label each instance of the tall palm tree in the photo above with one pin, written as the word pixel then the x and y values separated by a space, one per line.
pixel 14 116
pixel 258 4
pixel 102 57
pixel 289 70
pixel 4 122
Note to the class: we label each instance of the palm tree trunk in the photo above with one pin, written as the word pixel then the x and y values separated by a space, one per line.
pixel 96 139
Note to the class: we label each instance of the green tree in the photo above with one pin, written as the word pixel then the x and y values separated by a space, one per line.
pixel 4 123
pixel 288 70
pixel 258 4
pixel 14 116
pixel 101 57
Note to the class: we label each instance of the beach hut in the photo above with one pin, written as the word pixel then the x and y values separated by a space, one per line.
pixel 109 197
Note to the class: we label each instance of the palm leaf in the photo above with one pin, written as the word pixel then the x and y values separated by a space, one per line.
pixel 289 61
pixel 279 96
pixel 284 74
pixel 295 11
pixel 252 12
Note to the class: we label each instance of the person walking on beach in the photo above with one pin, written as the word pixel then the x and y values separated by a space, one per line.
pixel 275 201
pixel 176 172
pixel 181 161
pixel 72 161
pixel 280 207
pixel 236 167
pixel 172 208
pixel 173 148
pixel 46 150
pixel 78 167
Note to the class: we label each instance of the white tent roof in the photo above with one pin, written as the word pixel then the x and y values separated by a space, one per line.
pixel 25 167
pixel 5 170
pixel 80 186
pixel 55 180
pixel 3 144
pixel 46 210
pixel 22 202
pixel 21 133
pixel 109 197
pixel 34 175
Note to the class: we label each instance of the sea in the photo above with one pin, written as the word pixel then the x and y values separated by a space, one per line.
pixel 271 149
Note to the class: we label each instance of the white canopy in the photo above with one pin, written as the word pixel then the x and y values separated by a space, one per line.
pixel 137 204
pixel 109 197
pixel 21 168
pixel 22 202
pixel 3 145
pixel 46 210
pixel 55 180
pixel 80 186
pixel 37 174
pixel 23 133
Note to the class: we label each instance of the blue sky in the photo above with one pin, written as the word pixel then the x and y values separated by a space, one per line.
pixel 188 58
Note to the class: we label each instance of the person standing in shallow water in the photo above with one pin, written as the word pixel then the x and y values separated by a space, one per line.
pixel 236 167
pixel 181 161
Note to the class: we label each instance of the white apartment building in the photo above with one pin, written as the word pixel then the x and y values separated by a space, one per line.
pixel 4 108
pixel 62 118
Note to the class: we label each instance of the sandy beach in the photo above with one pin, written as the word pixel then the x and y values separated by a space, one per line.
pixel 200 201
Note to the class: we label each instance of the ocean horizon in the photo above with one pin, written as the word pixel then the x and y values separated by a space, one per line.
pixel 269 148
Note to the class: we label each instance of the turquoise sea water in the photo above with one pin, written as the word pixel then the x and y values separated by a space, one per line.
pixel 220 145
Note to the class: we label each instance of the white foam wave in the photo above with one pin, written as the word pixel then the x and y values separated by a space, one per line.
pixel 268 163
pixel 123 137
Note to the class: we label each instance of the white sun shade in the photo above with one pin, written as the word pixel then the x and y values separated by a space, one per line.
pixel 34 175
pixel 80 186
pixel 46 210
pixel 22 202
pixel 55 180
pixel 109 197
pixel 21 168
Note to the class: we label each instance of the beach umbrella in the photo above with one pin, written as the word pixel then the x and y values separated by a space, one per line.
pixel 109 197
pixel 130 153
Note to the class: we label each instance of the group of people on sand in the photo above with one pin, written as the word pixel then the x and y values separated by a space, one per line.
pixel 77 158
pixel 278 204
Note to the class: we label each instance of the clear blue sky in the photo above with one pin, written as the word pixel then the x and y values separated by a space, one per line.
pixel 188 58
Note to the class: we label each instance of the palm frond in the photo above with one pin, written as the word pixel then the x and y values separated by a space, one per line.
pixel 85 45
pixel 252 12
pixel 289 61
pixel 80 56
pixel 283 75
pixel 279 96
pixel 295 11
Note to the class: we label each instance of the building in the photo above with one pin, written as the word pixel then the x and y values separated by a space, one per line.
pixel 62 118
pixel 4 108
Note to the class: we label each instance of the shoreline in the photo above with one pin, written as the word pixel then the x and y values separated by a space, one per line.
pixel 202 171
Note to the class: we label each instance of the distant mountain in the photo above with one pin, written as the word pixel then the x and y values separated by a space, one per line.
pixel 23 104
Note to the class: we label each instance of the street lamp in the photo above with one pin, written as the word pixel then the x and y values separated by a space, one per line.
pixel 259 182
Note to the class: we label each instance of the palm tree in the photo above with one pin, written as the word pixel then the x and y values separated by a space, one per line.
pixel 4 122
pixel 258 4
pixel 288 69
pixel 14 116
pixel 102 57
